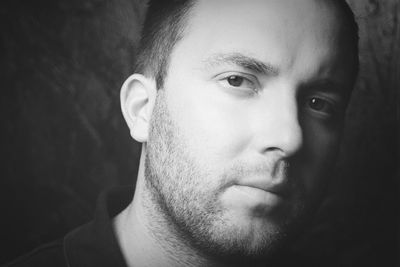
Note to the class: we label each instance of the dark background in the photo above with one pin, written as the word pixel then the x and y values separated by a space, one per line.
pixel 63 139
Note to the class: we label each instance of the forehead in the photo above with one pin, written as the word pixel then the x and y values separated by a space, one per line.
pixel 284 33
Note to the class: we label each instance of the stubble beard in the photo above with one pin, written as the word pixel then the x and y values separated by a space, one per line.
pixel 189 207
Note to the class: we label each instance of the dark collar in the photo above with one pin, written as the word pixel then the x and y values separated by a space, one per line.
pixel 95 243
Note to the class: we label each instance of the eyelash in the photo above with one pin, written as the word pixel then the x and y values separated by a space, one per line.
pixel 253 81
pixel 328 110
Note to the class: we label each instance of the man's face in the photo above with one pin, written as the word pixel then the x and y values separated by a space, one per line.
pixel 248 122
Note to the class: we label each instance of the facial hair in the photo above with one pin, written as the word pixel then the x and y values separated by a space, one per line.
pixel 187 195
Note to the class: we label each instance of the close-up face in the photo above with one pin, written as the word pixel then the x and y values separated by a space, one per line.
pixel 247 125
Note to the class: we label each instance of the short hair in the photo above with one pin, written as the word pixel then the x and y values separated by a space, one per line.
pixel 163 28
pixel 165 24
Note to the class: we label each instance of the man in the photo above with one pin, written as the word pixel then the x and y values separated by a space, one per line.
pixel 239 107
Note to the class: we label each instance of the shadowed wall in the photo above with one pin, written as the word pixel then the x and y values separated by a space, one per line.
pixel 63 139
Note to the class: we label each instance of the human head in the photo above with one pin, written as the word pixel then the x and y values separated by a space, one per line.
pixel 240 134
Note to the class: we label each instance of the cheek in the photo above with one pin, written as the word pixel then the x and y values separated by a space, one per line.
pixel 214 126
pixel 320 150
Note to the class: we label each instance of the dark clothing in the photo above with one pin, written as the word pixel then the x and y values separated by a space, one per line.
pixel 93 244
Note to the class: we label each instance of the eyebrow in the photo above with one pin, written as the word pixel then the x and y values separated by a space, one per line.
pixel 328 85
pixel 243 61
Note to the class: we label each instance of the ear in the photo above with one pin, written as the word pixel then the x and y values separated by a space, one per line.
pixel 138 95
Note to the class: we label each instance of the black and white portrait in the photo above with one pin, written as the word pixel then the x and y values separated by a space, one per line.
pixel 199 133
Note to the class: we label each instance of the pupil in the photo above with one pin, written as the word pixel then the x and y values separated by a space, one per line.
pixel 316 104
pixel 235 80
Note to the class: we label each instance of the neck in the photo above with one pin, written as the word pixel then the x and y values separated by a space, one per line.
pixel 146 238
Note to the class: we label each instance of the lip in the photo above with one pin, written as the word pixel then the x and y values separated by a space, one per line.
pixel 254 198
pixel 278 188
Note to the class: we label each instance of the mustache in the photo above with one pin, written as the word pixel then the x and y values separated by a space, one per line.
pixel 272 169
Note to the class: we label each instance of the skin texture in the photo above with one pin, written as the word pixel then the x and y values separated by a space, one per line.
pixel 239 142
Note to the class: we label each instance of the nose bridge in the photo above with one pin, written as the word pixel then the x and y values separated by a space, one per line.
pixel 281 129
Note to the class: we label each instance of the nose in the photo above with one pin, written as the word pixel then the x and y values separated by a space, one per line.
pixel 278 127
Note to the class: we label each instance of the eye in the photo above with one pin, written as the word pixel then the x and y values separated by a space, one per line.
pixel 321 106
pixel 318 104
pixel 235 80
pixel 240 82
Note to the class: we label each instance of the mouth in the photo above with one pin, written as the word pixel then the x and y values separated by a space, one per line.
pixel 280 189
pixel 271 177
pixel 256 199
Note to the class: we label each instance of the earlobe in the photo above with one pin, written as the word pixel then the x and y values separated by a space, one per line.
pixel 137 100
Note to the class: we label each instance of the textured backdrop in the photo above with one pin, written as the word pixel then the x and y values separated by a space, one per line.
pixel 63 139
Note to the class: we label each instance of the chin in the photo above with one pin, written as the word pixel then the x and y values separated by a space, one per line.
pixel 236 239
